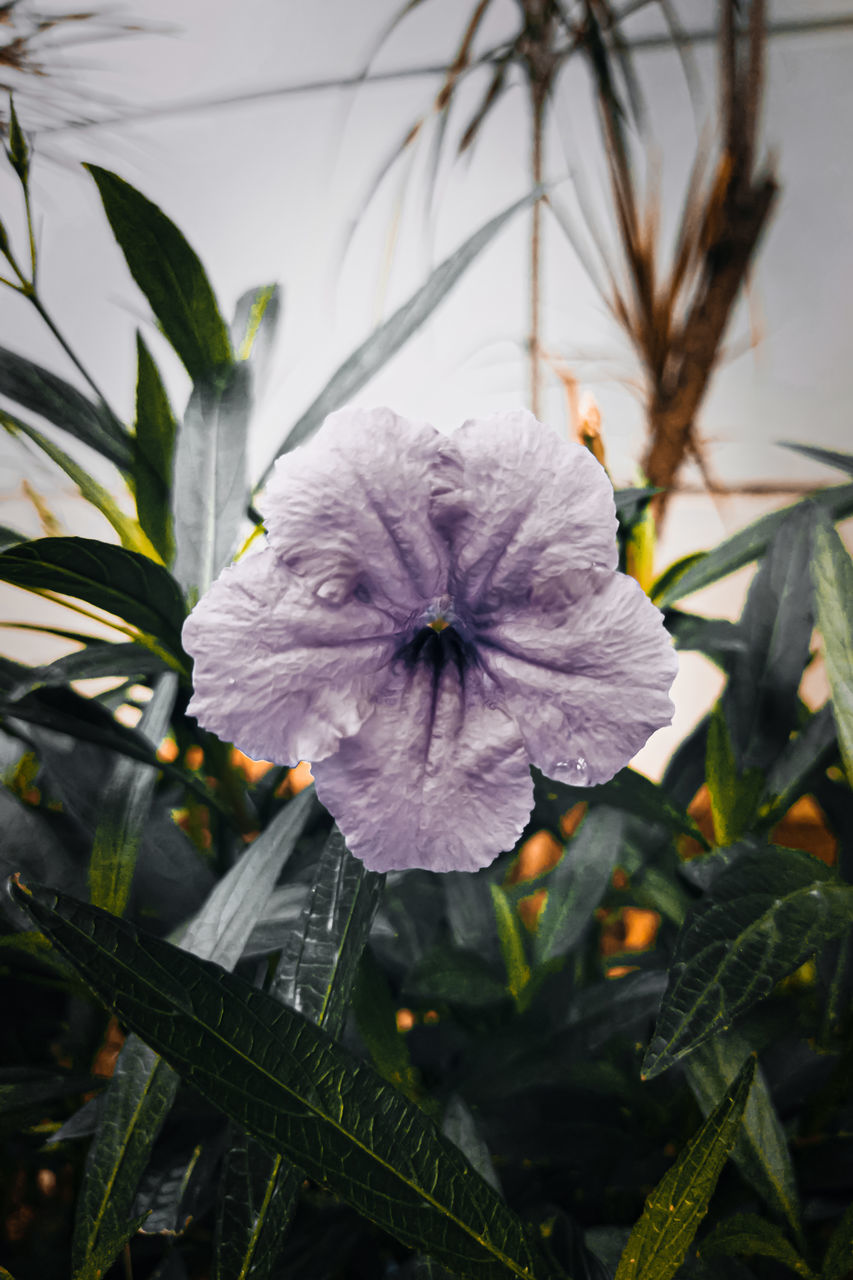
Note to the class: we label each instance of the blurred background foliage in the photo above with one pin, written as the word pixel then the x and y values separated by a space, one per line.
pixel 637 1025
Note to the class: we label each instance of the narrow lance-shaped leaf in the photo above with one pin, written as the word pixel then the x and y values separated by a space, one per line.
pixel 760 700
pixel 168 272
pixel 763 917
pixel 124 808
pixel 750 544
pixel 211 487
pixel 579 882
pixel 315 974
pixel 131 535
pixel 389 337
pixel 154 444
pixel 54 399
pixel 295 1089
pixel 143 1089
pixel 254 328
pixel 121 582
pixel 832 572
pixel 734 795
pixel 831 457
pixel 761 1147
pixel 659 1242
pixel 748 1236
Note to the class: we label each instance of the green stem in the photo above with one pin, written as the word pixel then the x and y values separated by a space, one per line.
pixel 40 308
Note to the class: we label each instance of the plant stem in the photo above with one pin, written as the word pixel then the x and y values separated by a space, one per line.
pixel 79 366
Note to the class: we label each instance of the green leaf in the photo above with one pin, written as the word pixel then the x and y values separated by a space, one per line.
pixel 764 916
pixel 389 337
pixel 255 326
pixel 10 537
pixel 659 1242
pixel 579 882
pixel 750 544
pixel 760 700
pixel 667 580
pixel 102 658
pixel 376 1016
pixel 841 461
pixel 121 582
pixel 761 1148
pixel 17 150
pixel 460 1127
pixel 455 977
pixel 168 272
pixel 719 639
pixel 512 943
pixel 143 1089
pixel 211 487
pixel 807 753
pixel 154 445
pixel 629 791
pixel 734 795
pixel 124 806
pixel 50 396
pixel 839 1253
pixel 296 1090
pixel 131 535
pixel 832 573
pixel 748 1236
pixel 315 974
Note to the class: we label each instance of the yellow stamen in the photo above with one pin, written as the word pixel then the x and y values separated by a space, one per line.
pixel 439 624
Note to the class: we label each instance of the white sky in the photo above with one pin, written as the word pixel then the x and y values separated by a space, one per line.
pixel 266 190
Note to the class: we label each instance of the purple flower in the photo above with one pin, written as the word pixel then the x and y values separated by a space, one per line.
pixel 429 615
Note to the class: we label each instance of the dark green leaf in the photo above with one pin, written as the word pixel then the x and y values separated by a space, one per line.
pixel 27 1094
pixel 50 396
pixel 579 882
pixel 630 503
pixel 761 1148
pixel 121 582
pixel 717 638
pixel 628 790
pixel 317 968
pixel 211 487
pixel 734 794
pixel 749 1236
pixel 102 658
pixel 451 976
pixel 750 544
pixel 124 806
pixel 376 1016
pixel 296 1090
pixel 659 1242
pixel 10 537
pixel 760 700
pixel 154 445
pixel 143 1089
pixel 832 572
pixel 667 580
pixel 841 461
pixel 808 752
pixel 839 1254
pixel 168 272
pixel 389 337
pixel 763 917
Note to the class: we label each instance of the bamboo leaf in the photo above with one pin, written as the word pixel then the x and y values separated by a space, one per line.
pixel 659 1242
pixel 296 1090
pixel 168 272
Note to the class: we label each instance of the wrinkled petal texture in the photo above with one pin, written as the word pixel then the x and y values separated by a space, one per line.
pixel 519 506
pixel 587 684
pixel 281 674
pixel 436 778
pixel 350 510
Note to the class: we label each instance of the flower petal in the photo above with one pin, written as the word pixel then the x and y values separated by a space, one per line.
pixel 436 778
pixel 278 672
pixel 349 510
pixel 587 684
pixel 519 507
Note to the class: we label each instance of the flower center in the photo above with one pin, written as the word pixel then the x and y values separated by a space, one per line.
pixel 439 640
